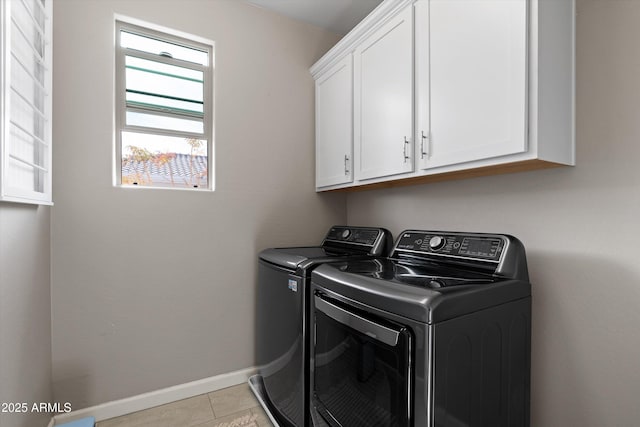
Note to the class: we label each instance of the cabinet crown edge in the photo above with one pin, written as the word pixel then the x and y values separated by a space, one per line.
pixel 385 10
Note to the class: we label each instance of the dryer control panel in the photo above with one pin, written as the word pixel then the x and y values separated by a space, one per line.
pixel 485 247
pixel 501 254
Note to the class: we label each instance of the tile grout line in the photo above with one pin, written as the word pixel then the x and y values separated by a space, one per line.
pixel 213 411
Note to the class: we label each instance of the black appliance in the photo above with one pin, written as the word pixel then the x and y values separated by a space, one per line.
pixel 282 320
pixel 436 335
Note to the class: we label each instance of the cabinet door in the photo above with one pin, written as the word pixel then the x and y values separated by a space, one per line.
pixel 334 125
pixel 383 99
pixel 477 80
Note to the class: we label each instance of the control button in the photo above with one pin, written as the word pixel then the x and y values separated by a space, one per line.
pixel 436 284
pixel 346 233
pixel 419 242
pixel 437 242
pixel 456 245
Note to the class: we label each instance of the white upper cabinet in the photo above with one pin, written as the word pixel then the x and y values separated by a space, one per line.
pixel 384 99
pixel 449 89
pixel 334 124
pixel 471 80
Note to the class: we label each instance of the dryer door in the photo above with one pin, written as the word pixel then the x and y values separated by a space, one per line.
pixel 361 367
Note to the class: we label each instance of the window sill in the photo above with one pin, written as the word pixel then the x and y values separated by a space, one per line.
pixel 145 187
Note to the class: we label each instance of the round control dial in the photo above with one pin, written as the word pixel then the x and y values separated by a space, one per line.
pixel 346 233
pixel 437 243
pixel 435 283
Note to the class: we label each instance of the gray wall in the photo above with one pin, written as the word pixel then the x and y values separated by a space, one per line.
pixel 25 311
pixel 153 288
pixel 580 227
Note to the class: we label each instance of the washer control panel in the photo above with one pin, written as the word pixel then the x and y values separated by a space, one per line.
pixel 357 235
pixel 485 247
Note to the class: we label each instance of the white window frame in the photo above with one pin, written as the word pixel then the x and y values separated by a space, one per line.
pixel 161 33
pixel 40 192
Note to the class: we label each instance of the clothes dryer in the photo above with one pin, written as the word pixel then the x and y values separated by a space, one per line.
pixel 436 335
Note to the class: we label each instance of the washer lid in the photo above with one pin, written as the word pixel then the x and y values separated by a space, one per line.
pixel 291 258
pixel 426 304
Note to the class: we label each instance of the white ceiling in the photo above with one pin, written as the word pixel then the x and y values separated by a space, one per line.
pixel 338 16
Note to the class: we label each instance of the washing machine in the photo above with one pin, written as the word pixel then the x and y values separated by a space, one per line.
pixel 282 320
pixel 436 335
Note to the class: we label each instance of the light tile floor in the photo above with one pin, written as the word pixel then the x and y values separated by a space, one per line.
pixel 215 409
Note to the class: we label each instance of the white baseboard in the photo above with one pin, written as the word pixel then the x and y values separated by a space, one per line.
pixel 143 401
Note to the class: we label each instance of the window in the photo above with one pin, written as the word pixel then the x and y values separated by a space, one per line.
pixel 164 115
pixel 25 101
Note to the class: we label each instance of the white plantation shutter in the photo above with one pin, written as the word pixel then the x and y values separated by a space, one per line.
pixel 25 101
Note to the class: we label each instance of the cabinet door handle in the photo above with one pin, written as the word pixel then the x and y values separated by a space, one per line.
pixel 346 164
pixel 424 148
pixel 404 149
